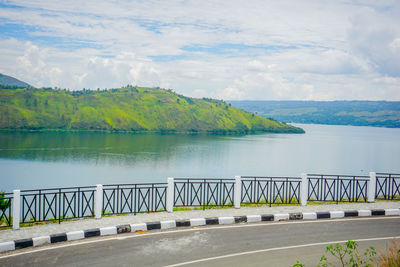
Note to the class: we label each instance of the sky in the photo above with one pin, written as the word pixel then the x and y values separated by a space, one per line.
pixel 231 50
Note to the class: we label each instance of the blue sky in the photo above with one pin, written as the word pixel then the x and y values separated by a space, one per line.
pixel 315 50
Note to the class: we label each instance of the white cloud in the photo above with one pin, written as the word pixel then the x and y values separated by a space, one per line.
pixel 232 93
pixel 255 65
pixel 245 50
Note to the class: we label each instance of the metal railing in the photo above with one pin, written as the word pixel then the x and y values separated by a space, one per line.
pixel 270 190
pixel 57 204
pixel 5 209
pixel 134 198
pixel 204 192
pixel 337 188
pixel 387 186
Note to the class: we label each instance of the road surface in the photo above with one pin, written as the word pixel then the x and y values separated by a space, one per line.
pixel 262 244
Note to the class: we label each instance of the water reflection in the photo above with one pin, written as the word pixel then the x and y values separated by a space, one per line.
pixel 32 160
pixel 98 148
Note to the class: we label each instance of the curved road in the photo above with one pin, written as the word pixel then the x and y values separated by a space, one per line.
pixel 261 244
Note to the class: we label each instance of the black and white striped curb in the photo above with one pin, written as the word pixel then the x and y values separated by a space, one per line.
pixel 128 228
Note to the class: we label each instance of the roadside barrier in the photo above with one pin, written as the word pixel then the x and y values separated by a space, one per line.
pixel 58 204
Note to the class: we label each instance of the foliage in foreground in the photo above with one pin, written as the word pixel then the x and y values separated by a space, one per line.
pixel 4 203
pixel 348 255
pixel 390 257
pixel 126 109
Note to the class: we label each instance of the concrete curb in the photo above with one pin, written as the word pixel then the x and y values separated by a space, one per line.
pixel 128 228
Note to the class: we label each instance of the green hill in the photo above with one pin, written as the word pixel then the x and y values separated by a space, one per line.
pixel 126 109
pixel 11 81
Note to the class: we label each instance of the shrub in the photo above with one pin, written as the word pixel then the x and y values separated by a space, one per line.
pixel 4 203
pixel 390 257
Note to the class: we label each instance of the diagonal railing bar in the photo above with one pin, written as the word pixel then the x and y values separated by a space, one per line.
pixel 179 193
pixel 314 189
pixel 346 192
pixel 142 199
pixel 107 201
pixel 294 192
pixel 31 208
pixel 338 188
pixel 160 199
pixel 361 191
pixel 271 190
pixel 212 194
pixel 5 210
pixel 330 188
pixel 245 192
pixel 69 204
pixel 126 200
pixel 49 207
pixel 56 203
pixel 203 192
pixel 262 191
pixel 87 203
pixel 279 192
pixel 387 186
pixel 195 194
pixel 228 194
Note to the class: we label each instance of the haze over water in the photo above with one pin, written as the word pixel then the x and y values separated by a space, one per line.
pixel 44 160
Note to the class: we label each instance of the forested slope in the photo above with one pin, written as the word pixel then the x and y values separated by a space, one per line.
pixel 126 109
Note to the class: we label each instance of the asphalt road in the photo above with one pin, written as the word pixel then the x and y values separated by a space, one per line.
pixel 262 244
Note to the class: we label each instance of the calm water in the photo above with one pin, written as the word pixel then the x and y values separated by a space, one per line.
pixel 33 160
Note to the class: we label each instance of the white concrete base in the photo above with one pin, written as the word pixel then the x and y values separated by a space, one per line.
pixel 281 217
pixel 253 218
pixel 75 235
pixel 226 220
pixel 138 227
pixel 364 213
pixel 309 215
pixel 337 214
pixel 112 230
pixel 197 221
pixel 41 240
pixel 6 246
pixel 168 224
pixel 392 212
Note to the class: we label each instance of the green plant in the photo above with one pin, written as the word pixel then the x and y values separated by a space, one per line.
pixel 4 203
pixel 390 257
pixel 347 255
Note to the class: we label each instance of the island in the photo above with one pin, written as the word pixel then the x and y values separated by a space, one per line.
pixel 126 109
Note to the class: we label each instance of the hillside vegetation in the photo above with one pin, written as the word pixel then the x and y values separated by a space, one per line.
pixel 358 113
pixel 126 109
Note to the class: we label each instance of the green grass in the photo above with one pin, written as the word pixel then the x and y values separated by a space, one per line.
pixel 127 109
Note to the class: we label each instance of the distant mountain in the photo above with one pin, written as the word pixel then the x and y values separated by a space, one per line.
pixel 358 113
pixel 11 81
pixel 129 108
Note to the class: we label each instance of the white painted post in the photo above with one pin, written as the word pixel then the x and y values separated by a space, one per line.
pixel 16 208
pixel 372 187
pixel 98 201
pixel 170 194
pixel 303 190
pixel 238 192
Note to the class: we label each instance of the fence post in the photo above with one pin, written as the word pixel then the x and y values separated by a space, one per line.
pixel 303 190
pixel 170 194
pixel 238 192
pixel 16 208
pixel 372 187
pixel 98 201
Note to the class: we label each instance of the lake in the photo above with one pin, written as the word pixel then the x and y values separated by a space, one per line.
pixel 44 160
